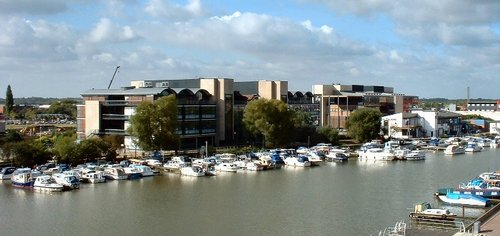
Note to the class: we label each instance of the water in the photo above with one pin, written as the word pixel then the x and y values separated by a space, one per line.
pixel 355 198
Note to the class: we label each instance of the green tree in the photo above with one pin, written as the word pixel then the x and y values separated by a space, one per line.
pixel 364 124
pixel 154 124
pixel 65 148
pixel 9 100
pixel 30 153
pixel 13 136
pixel 272 119
pixel 329 134
pixel 67 107
pixel 30 114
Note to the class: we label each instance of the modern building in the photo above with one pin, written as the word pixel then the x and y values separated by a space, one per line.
pixel 337 102
pixel 204 105
pixel 210 109
pixel 421 124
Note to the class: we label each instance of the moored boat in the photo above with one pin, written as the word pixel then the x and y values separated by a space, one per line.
pixel 425 211
pixel 46 183
pixel 464 199
pixel 68 181
pixel 115 173
pixel 195 171
pixel 226 167
pixel 415 155
pixel 6 173
pixel 377 154
pixel 24 177
pixel 473 147
pixel 94 177
pixel 300 161
pixel 454 149
pixel 336 156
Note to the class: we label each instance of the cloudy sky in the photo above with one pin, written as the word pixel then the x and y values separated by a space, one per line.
pixel 427 48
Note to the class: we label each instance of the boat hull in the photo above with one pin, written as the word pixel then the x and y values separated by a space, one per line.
pixel 22 184
pixel 486 193
pixel 465 200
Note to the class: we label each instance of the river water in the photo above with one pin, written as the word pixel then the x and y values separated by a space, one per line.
pixel 353 198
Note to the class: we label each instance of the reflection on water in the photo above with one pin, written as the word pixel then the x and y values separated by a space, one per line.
pixel 351 198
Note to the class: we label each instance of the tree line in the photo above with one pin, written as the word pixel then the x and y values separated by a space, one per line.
pixel 57 106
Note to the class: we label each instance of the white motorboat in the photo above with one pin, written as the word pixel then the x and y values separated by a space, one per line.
pixel 415 155
pixel 195 171
pixel 473 147
pixel 454 149
pixel 254 166
pixel 177 163
pixel 300 161
pixel 336 156
pixel 425 211
pixel 115 173
pixel 336 149
pixel 314 158
pixel 132 172
pixel 68 181
pixel 24 177
pixel 145 171
pixel 377 154
pixel 94 177
pixel 226 167
pixel 6 173
pixel 46 183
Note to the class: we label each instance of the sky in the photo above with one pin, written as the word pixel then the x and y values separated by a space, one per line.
pixel 425 48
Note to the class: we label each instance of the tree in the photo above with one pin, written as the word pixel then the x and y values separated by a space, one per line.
pixel 9 100
pixel 330 134
pixel 30 153
pixel 272 119
pixel 154 124
pixel 30 114
pixel 66 107
pixel 364 124
pixel 65 148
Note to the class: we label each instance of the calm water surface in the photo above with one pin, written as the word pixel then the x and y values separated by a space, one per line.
pixel 355 198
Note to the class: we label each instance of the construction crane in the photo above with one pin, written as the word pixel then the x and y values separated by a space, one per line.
pixel 110 82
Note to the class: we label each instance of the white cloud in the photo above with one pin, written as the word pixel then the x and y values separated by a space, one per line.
pixel 449 22
pixel 106 31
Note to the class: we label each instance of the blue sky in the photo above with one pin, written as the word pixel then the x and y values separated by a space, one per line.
pixel 427 48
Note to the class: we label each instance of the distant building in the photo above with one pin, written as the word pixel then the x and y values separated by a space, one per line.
pixel 337 102
pixel 484 105
pixel 420 124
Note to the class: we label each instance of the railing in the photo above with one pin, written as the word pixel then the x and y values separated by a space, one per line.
pixel 398 230
pixel 115 117
pixel 114 131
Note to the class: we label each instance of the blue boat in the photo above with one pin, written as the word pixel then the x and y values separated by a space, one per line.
pixel 464 199
pixel 486 193
pixel 24 177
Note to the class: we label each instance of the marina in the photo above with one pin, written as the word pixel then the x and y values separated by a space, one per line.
pixel 356 197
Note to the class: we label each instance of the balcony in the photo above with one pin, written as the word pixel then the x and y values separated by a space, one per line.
pixel 115 117
pixel 121 102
